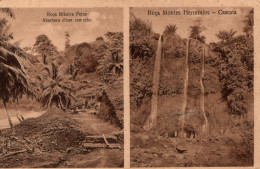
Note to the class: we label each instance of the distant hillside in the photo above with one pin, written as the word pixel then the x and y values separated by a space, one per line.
pixel 85 58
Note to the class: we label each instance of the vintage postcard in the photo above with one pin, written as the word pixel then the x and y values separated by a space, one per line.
pixel 129 84
pixel 192 87
pixel 61 87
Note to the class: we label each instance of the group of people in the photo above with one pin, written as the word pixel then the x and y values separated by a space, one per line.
pixel 82 106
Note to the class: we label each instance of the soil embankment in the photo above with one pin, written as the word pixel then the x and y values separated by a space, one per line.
pixel 150 150
pixel 55 140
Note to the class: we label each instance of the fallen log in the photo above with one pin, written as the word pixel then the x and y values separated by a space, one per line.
pixel 24 143
pixel 100 139
pixel 92 142
pixel 105 140
pixel 13 153
pixel 114 146
pixel 100 145
pixel 94 145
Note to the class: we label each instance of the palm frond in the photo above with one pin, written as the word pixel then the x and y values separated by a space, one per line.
pixel 47 68
pixel 10 59
pixel 8 11
pixel 47 83
pixel 170 29
pixel 3 24
pixel 4 33
pixel 46 92
pixel 57 88
pixel 13 49
pixel 17 73
pixel 14 81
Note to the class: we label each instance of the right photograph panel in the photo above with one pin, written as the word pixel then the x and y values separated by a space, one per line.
pixel 192 87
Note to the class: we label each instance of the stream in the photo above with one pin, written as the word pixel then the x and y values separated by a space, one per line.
pixel 26 114
pixel 185 83
pixel 156 80
pixel 205 127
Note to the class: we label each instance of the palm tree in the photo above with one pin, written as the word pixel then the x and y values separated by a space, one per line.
pixel 57 88
pixel 35 78
pixel 112 63
pixel 170 29
pixel 13 80
pixel 4 31
pixel 44 46
pixel 249 23
pixel 226 36
pixel 4 27
pixel 8 11
pixel 18 91
pixel 196 30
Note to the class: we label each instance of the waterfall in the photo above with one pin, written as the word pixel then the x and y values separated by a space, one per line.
pixel 205 127
pixel 185 84
pixel 151 121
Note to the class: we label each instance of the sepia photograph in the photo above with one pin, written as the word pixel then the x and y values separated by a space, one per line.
pixel 191 86
pixel 61 88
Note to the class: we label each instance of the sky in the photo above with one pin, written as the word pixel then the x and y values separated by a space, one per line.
pixel 28 24
pixel 213 22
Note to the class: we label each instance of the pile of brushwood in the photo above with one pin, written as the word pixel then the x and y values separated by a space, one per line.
pixel 44 140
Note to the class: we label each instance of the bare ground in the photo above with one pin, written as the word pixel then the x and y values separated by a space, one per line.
pixel 100 157
pixel 232 149
pixel 55 141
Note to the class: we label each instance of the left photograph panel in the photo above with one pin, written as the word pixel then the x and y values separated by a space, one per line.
pixel 61 87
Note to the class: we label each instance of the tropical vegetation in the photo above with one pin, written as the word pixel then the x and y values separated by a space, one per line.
pixel 53 77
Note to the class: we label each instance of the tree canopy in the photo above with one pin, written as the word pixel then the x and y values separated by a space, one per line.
pixel 13 81
pixel 170 29
pixel 196 30
pixel 44 47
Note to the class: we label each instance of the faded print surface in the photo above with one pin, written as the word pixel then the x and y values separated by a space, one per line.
pixel 204 94
pixel 61 87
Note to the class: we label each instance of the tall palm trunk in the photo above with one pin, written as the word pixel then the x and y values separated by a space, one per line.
pixel 44 59
pixel 185 89
pixel 8 116
pixel 49 102
pixel 151 121
pixel 205 128
pixel 61 105
pixel 19 115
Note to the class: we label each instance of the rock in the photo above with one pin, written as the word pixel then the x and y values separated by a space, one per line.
pixel 156 155
pixel 168 155
pixel 165 146
pixel 69 150
pixel 181 149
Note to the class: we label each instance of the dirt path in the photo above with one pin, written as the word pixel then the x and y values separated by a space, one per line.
pixel 92 125
pixel 204 151
pixel 161 152
pixel 98 158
